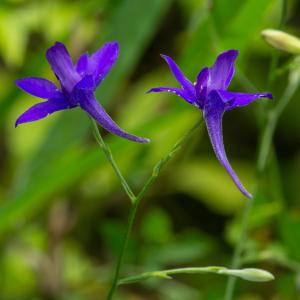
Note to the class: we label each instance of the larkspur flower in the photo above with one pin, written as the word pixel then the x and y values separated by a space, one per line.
pixel 77 86
pixel 209 94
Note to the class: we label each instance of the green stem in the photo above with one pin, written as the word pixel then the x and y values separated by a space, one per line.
pixel 244 81
pixel 111 160
pixel 264 148
pixel 130 223
pixel 276 259
pixel 257 275
pixel 263 154
pixel 273 117
pixel 136 201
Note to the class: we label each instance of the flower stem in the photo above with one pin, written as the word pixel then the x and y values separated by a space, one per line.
pixel 263 155
pixel 137 199
pixel 257 275
pixel 273 118
pixel 264 149
pixel 130 223
pixel 111 160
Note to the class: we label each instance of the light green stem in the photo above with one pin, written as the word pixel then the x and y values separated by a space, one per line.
pixel 121 256
pixel 273 117
pixel 137 199
pixel 256 275
pixel 263 153
pixel 111 160
pixel 264 149
pixel 276 259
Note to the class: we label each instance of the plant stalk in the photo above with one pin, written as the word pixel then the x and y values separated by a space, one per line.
pixel 137 199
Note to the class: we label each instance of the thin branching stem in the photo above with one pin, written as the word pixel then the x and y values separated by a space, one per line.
pixel 156 170
pixel 273 117
pixel 263 155
pixel 121 256
pixel 251 274
pixel 111 160
pixel 263 152
pixel 135 200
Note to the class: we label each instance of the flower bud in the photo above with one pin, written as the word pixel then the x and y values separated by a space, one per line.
pixel 281 40
pixel 250 274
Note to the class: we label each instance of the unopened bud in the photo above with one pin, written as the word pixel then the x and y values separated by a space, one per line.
pixel 281 40
pixel 250 274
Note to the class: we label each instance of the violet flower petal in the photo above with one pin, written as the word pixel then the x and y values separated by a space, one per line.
pixel 187 86
pixel 83 94
pixel 42 110
pixel 213 114
pixel 234 99
pixel 97 112
pixel 202 80
pixel 38 87
pixel 201 86
pixel 100 62
pixel 222 71
pixel 86 84
pixel 211 97
pixel 61 64
pixel 82 63
pixel 177 91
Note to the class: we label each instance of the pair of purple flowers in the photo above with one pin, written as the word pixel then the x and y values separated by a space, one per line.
pixel 78 83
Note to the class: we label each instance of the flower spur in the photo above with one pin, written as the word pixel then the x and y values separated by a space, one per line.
pixel 77 86
pixel 209 94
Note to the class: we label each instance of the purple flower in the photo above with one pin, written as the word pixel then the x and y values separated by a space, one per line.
pixel 209 93
pixel 77 86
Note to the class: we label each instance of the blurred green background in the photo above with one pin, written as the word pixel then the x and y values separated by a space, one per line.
pixel 63 212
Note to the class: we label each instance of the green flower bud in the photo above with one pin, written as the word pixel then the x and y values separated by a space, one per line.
pixel 281 40
pixel 250 274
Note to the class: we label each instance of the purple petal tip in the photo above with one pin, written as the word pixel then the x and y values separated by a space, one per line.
pixel 144 140
pixel 247 194
pixel 18 122
pixel 269 95
pixel 153 90
pixel 266 95
pixel 17 82
pixel 114 44
pixel 232 52
pixel 56 44
pixel 166 57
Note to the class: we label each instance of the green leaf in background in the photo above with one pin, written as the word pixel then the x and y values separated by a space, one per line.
pixel 191 215
pixel 289 231
pixel 156 226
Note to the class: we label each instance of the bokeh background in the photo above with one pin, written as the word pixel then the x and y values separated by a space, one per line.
pixel 62 210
